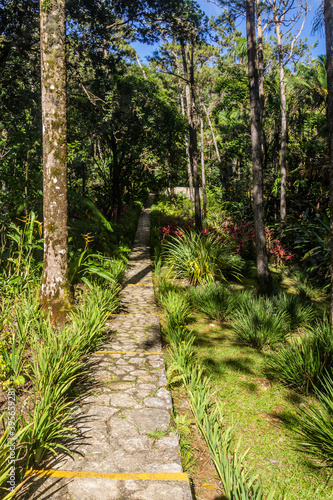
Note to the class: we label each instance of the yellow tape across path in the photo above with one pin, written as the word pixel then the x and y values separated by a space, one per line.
pixel 126 352
pixel 143 476
pixel 139 315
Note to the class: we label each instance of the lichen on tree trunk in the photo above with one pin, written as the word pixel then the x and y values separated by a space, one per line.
pixel 55 290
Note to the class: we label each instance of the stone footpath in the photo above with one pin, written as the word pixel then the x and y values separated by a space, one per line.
pixel 130 450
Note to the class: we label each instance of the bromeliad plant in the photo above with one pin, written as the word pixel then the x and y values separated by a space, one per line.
pixel 258 324
pixel 201 257
pixel 303 363
pixel 316 422
pixel 214 300
pixel 299 314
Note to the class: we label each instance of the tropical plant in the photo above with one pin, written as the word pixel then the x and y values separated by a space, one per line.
pixel 303 362
pixel 200 257
pixel 176 309
pixel 214 300
pixel 86 265
pixel 259 325
pixel 299 314
pixel 316 421
pixel 19 255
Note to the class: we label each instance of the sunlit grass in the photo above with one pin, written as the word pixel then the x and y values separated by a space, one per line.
pixel 264 412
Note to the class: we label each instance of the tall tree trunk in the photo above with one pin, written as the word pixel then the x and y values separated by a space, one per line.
pixel 55 291
pixel 328 17
pixel 260 66
pixel 257 159
pixel 213 135
pixel 116 187
pixel 283 154
pixel 261 69
pixel 203 173
pixel 187 148
pixel 189 76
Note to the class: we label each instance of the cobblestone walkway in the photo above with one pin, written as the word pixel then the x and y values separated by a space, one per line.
pixel 130 451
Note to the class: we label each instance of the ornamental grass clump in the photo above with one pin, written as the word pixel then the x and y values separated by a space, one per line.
pixel 213 300
pixel 56 366
pixel 259 325
pixel 300 314
pixel 302 364
pixel 200 257
pixel 316 421
pixel 176 309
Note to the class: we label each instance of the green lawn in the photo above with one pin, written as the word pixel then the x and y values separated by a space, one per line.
pixel 262 410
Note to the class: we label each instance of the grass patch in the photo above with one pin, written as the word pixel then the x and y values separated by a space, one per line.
pixel 264 411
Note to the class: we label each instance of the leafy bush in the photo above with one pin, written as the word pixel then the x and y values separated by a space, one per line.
pixel 214 300
pixel 258 324
pixel 317 425
pixel 201 257
pixel 302 363
pixel 176 309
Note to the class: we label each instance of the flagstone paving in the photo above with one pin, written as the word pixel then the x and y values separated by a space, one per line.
pixel 127 419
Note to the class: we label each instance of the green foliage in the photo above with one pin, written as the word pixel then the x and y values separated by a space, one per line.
pixel 214 300
pixel 87 265
pixel 238 483
pixel 176 309
pixel 299 314
pixel 316 435
pixel 258 324
pixel 200 257
pixel 303 362
pixel 54 362
pixel 20 260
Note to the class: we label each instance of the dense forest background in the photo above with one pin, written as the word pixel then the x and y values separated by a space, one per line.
pixel 244 121
pixel 128 122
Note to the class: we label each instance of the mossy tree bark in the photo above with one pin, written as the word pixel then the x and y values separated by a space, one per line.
pixel 55 290
pixel 264 276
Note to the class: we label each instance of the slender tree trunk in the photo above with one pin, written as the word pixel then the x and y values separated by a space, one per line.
pixel 283 154
pixel 189 76
pixel 187 148
pixel 328 17
pixel 203 173
pixel 116 188
pixel 260 66
pixel 55 291
pixel 140 66
pixel 213 135
pixel 257 159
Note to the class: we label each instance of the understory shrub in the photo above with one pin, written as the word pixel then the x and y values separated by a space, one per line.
pixel 316 435
pixel 213 300
pixel 299 314
pixel 201 257
pixel 258 324
pixel 303 362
